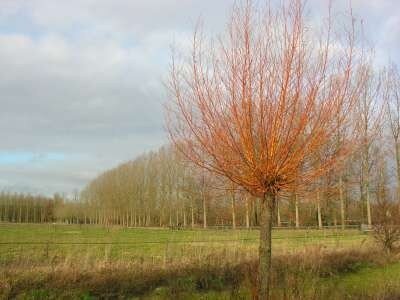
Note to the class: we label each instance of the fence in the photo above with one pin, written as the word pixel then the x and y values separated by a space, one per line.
pixel 55 243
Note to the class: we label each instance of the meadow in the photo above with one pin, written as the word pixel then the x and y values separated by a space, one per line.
pixel 38 243
pixel 54 261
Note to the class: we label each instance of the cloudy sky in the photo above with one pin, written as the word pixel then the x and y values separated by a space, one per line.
pixel 81 80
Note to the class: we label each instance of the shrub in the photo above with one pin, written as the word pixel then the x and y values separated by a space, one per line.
pixel 387 224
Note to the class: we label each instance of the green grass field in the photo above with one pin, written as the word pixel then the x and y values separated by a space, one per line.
pixel 34 242
pixel 53 261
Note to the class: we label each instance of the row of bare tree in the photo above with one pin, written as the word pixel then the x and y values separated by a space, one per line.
pixel 20 208
pixel 161 189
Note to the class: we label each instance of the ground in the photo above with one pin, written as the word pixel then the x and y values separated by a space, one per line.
pixel 54 261
pixel 38 241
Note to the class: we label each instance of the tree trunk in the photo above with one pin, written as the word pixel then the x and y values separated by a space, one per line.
pixel 27 213
pixel 319 211
pixel 247 213
pixel 266 217
pixel 334 218
pixel 365 183
pixel 368 208
pixel 341 199
pixel 296 203
pixel 192 215
pixel 278 212
pixel 255 210
pixel 397 150
pixel 233 212
pixel 204 212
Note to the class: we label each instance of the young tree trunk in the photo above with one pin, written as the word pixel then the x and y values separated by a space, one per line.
pixel 204 212
pixel 368 207
pixel 334 218
pixel 27 213
pixel 278 212
pixel 255 210
pixel 184 218
pixel 397 151
pixel 319 211
pixel 264 271
pixel 341 199
pixel 247 213
pixel 365 183
pixel 192 215
pixel 233 212
pixel 296 203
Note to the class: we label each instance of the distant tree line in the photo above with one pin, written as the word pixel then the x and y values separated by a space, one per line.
pixel 158 189
pixel 23 208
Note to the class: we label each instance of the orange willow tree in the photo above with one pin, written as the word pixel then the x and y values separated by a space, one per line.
pixel 258 103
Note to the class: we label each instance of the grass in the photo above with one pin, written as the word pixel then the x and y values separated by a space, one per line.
pixel 90 262
pixel 367 282
pixel 40 242
pixel 313 274
pixel 371 282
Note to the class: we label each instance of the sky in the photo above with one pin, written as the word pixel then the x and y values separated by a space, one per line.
pixel 81 81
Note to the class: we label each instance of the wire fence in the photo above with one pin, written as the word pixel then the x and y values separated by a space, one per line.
pixel 56 243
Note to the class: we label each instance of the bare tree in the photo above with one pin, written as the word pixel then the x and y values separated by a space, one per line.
pixel 391 96
pixel 318 200
pixel 387 225
pixel 368 125
pixel 256 105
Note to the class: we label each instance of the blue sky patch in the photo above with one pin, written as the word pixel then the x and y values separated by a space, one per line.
pixel 29 157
